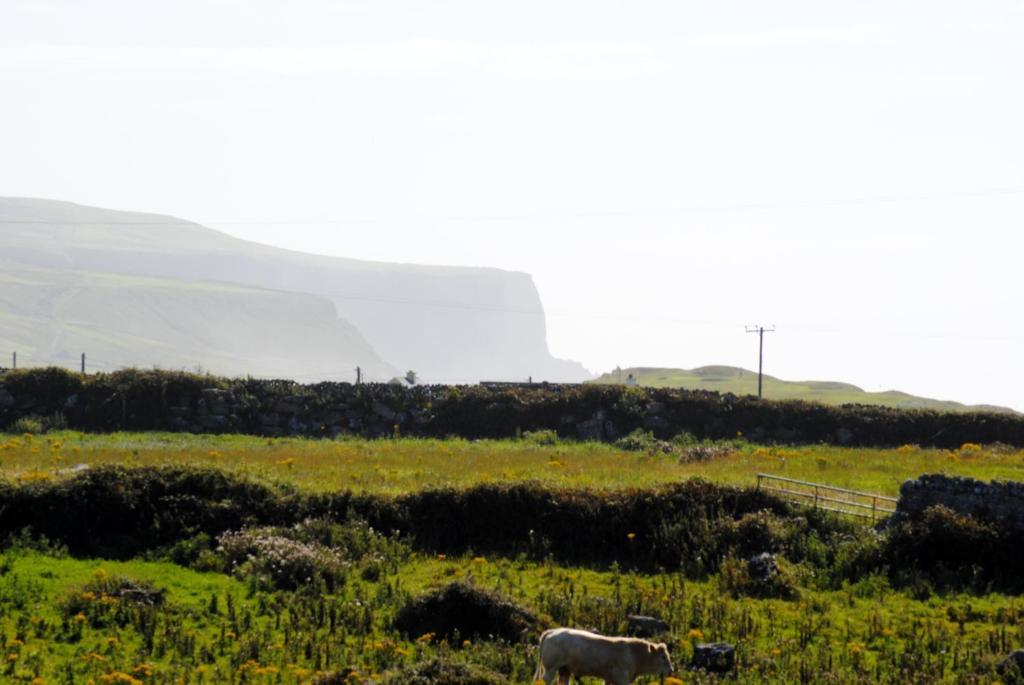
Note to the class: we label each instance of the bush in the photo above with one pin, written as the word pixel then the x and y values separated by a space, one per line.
pixel 32 425
pixel 110 599
pixel 643 441
pixel 461 611
pixel 755 577
pixel 541 437
pixel 439 672
pixel 279 562
pixel 308 554
pixel 949 548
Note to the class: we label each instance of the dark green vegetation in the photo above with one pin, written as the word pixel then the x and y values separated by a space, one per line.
pixel 152 400
pixel 744 382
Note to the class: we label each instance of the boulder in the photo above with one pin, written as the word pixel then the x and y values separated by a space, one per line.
pixel 645 626
pixel 719 657
pixel 1012 662
pixel 655 409
pixel 656 424
pixel 763 567
pixel 590 430
pixel 6 399
pixel 384 411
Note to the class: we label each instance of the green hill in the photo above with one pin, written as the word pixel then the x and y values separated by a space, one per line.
pixel 51 316
pixel 447 323
pixel 743 382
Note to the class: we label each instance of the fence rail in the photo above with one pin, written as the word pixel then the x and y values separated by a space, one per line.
pixel 866 505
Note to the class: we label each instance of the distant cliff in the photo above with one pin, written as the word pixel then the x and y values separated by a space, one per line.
pixel 446 323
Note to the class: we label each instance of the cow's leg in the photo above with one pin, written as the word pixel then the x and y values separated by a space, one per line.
pixel 549 674
pixel 564 675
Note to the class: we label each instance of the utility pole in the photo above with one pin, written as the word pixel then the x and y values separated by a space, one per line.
pixel 14 360
pixel 359 375
pixel 83 363
pixel 760 330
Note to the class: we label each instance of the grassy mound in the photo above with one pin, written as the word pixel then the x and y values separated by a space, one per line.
pixel 461 611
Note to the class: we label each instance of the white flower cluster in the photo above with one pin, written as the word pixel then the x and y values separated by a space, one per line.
pixel 284 562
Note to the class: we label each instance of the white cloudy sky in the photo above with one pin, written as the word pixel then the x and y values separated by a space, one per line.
pixel 668 171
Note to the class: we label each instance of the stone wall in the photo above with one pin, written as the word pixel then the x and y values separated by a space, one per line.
pixel 175 401
pixel 999 502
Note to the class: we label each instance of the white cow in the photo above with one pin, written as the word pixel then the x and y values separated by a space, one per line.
pixel 566 652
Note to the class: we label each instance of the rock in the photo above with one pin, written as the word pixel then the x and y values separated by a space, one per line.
pixel 213 422
pixel 590 430
pixel 645 626
pixel 6 399
pixel 844 436
pixel 763 567
pixel 71 401
pixel 719 657
pixel 289 405
pixel 215 401
pixel 655 408
pixel 270 420
pixel 384 411
pixel 1014 661
pixel 655 423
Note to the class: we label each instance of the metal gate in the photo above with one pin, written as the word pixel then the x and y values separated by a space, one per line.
pixel 867 505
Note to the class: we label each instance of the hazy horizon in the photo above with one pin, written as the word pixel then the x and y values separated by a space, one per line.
pixel 667 175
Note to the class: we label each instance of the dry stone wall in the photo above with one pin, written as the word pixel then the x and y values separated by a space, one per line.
pixel 999 502
pixel 174 401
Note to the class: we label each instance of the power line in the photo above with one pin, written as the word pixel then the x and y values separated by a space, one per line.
pixel 542 216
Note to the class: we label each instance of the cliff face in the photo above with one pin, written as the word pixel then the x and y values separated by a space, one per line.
pixel 448 324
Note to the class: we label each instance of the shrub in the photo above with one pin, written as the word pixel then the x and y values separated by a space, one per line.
pixel 460 611
pixel 27 424
pixel 753 533
pixel 750 578
pixel 949 548
pixel 440 672
pixel 643 441
pixel 705 452
pixel 276 561
pixel 541 437
pixel 107 599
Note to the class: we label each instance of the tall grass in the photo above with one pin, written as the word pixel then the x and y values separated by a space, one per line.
pixel 408 465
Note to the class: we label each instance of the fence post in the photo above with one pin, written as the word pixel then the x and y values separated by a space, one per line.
pixel 815 496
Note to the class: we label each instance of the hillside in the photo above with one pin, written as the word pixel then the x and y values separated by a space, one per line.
pixel 52 316
pixel 743 382
pixel 446 323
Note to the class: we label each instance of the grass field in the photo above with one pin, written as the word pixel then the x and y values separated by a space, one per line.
pixel 406 465
pixel 213 629
pixel 222 623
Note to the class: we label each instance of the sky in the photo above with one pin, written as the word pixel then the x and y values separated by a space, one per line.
pixel 668 172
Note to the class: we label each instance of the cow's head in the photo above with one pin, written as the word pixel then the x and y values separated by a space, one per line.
pixel 661 662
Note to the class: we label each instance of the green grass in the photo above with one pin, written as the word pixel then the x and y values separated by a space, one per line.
pixel 853 635
pixel 215 628
pixel 407 465
pixel 743 382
